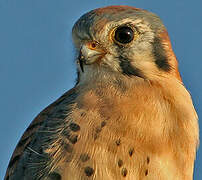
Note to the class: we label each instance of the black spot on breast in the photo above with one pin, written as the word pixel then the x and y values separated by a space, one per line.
pixel 103 123
pixel 84 157
pixel 118 142
pixel 131 151
pixel 54 176
pixel 74 127
pixel 124 172
pixel 146 172
pixel 120 163
pixel 88 171
pixel 128 69
pixel 95 136
pixel 159 53
pixel 148 160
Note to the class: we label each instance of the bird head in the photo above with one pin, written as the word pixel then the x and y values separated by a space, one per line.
pixel 123 41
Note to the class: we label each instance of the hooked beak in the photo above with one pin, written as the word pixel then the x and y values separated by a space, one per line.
pixel 89 55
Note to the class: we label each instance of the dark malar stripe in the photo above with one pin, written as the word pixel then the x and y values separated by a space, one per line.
pixel 159 53
pixel 128 69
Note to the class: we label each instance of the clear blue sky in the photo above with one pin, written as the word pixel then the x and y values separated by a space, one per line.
pixel 36 56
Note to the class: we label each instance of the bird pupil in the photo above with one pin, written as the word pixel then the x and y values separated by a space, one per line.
pixel 124 34
pixel 93 45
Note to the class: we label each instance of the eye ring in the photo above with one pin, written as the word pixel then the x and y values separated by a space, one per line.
pixel 123 34
pixel 92 45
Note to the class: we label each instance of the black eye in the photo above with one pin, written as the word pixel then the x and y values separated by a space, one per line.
pixel 124 34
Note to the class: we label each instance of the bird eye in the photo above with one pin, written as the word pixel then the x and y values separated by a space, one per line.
pixel 124 34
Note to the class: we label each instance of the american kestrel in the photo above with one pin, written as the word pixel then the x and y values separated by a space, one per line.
pixel 129 115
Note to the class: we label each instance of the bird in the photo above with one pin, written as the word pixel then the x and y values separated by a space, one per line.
pixel 128 116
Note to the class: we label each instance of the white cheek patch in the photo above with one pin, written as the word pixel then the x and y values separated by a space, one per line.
pixel 145 62
pixel 112 62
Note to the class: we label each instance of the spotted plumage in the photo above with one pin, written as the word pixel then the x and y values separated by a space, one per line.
pixel 129 115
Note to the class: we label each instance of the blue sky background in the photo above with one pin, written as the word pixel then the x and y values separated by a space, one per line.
pixel 36 56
